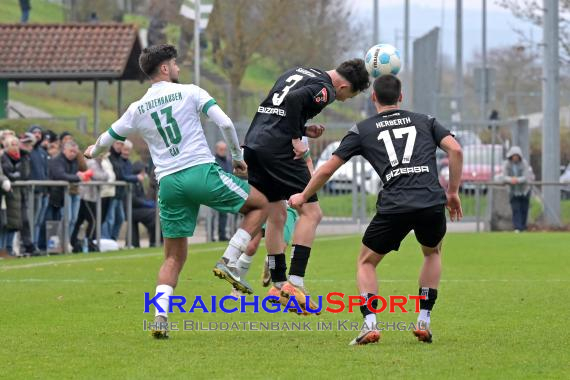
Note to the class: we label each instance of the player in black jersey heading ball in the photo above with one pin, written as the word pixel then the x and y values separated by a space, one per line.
pixel 273 152
pixel 400 145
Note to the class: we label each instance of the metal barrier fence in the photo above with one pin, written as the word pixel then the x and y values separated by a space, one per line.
pixel 31 186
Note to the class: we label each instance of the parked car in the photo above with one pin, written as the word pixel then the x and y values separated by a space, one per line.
pixel 464 138
pixel 341 181
pixel 477 166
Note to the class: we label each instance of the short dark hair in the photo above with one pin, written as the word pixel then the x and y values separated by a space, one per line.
pixel 152 56
pixel 387 89
pixel 355 72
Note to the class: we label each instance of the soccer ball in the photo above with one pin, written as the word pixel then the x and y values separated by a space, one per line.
pixel 382 59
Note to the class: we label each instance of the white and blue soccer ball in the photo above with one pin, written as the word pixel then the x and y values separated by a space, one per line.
pixel 382 59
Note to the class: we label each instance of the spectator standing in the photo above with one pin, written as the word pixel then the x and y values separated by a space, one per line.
pixel 88 207
pixel 518 173
pixel 39 172
pixel 122 166
pixel 65 167
pixel 107 191
pixel 16 166
pixel 115 213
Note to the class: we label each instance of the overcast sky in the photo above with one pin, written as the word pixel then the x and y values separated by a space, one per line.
pixel 427 14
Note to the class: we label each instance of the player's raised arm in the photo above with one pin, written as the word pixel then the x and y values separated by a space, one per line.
pixel 103 143
pixel 349 147
pixel 228 130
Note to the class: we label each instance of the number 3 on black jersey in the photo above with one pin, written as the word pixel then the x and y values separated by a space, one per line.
pixel 278 98
pixel 399 133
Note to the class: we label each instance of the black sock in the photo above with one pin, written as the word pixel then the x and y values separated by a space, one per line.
pixel 431 296
pixel 277 267
pixel 364 308
pixel 299 260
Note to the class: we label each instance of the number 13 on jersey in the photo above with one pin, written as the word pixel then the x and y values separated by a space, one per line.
pixel 170 133
pixel 399 133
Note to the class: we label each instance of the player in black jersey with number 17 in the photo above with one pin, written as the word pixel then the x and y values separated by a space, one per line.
pixel 400 145
pixel 273 152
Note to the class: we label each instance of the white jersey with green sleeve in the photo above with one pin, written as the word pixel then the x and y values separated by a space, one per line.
pixel 168 119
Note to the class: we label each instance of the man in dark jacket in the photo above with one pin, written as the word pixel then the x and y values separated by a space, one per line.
pixel 222 159
pixel 65 167
pixel 39 172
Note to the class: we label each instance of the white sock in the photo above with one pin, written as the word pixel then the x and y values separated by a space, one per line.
pixel 278 284
pixel 238 244
pixel 164 300
pixel 370 321
pixel 424 316
pixel 296 280
pixel 243 264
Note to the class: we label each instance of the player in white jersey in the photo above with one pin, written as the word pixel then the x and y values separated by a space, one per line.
pixel 168 119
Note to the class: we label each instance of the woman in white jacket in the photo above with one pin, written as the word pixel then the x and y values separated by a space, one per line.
pixel 102 171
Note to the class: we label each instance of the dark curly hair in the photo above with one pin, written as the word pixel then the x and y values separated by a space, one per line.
pixel 152 56
pixel 355 72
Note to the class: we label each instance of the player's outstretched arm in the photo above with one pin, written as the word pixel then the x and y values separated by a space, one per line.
pixel 453 149
pixel 102 144
pixel 320 177
pixel 228 130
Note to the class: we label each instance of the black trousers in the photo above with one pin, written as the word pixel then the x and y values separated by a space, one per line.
pixel 146 217
pixel 26 231
pixel 88 213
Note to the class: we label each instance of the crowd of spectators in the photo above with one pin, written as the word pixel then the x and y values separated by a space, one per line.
pixel 42 155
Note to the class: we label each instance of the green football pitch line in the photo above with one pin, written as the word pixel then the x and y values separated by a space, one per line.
pixel 501 313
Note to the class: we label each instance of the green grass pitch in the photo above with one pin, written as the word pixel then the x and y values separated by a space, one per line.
pixel 502 313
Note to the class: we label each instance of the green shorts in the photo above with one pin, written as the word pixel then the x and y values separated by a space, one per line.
pixel 289 229
pixel 182 193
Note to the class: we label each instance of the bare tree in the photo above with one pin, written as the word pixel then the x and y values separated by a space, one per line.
pixel 532 11
pixel 518 79
pixel 318 33
pixel 239 29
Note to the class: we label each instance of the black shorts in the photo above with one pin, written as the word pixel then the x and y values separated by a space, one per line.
pixel 276 176
pixel 386 232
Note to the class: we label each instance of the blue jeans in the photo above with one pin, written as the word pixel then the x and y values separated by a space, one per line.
pixel 41 202
pixel 74 201
pixel 3 237
pixel 114 220
pixel 520 205
pixel 25 16
pixel 8 240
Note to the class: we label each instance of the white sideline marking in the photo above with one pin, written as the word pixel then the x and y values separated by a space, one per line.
pixel 102 257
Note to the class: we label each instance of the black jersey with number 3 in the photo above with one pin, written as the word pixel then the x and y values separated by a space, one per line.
pixel 297 96
pixel 400 145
